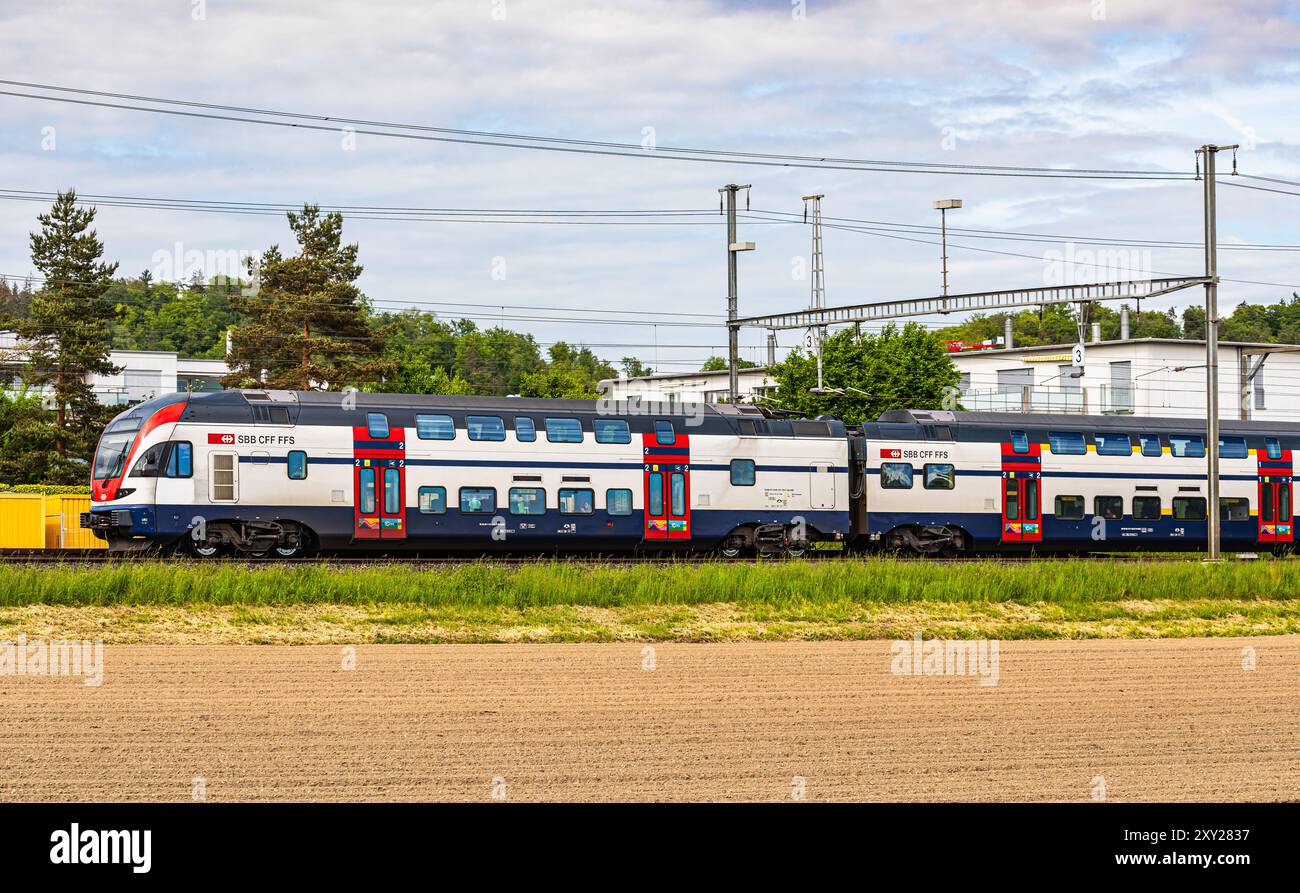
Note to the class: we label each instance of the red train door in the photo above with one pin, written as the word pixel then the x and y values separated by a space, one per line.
pixel 667 482
pixel 1021 494
pixel 379 485
pixel 1276 509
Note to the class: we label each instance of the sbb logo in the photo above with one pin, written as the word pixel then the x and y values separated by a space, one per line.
pixel 891 454
pixel 227 439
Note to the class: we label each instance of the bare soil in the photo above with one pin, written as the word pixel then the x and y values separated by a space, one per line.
pixel 1176 719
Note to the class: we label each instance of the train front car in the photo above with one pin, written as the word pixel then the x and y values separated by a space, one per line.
pixel 135 456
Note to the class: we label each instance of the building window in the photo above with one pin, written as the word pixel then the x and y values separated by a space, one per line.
pixel 564 431
pixel 577 502
pixel 611 431
pixel 485 427
pixel 478 500
pixel 527 501
pixel 1109 507
pixel 1067 443
pixel 434 427
pixel 742 472
pixel 896 476
pixel 297 465
pixel 433 500
pixel 939 476
pixel 1259 389
pixel 618 502
pixel 1146 508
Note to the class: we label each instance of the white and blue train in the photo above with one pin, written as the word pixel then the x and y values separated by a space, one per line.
pixel 286 473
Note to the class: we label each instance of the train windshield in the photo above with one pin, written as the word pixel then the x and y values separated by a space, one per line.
pixel 113 447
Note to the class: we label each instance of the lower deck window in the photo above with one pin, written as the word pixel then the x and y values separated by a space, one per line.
pixel 618 502
pixel 1234 508
pixel 1189 508
pixel 577 502
pixel 433 500
pixel 1109 507
pixel 1146 508
pixel 478 500
pixel 527 501
pixel 1070 508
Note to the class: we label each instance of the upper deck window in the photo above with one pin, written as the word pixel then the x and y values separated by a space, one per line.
pixel 1187 446
pixel 1112 444
pixel 664 434
pixel 1068 443
pixel 1272 448
pixel 434 427
pixel 564 431
pixel 525 430
pixel 485 427
pixel 612 431
pixel 1019 442
pixel 377 425
pixel 1233 448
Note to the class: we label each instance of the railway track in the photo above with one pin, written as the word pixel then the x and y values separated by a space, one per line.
pixel 89 557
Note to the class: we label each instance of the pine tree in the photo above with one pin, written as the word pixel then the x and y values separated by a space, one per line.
pixel 306 326
pixel 67 332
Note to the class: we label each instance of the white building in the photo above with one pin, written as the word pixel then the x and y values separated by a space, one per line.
pixel 1138 376
pixel 144 374
pixel 690 387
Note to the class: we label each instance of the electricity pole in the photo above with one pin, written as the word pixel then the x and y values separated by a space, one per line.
pixel 733 330
pixel 1213 530
pixel 943 206
pixel 817 298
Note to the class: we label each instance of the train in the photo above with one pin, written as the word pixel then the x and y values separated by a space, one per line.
pixel 268 473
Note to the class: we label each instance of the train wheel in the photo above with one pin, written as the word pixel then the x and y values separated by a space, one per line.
pixel 288 551
pixel 204 549
pixel 796 551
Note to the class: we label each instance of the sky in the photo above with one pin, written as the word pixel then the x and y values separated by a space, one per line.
pixel 1044 83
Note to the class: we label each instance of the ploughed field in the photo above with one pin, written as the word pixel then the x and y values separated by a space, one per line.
pixel 1175 719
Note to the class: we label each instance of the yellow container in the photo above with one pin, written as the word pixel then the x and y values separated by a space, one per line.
pixel 22 521
pixel 63 523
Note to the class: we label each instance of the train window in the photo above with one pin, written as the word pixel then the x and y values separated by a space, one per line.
pixel 564 431
pixel 1146 508
pixel 366 483
pixel 677 502
pixel 1234 508
pixel 434 427
pixel 655 493
pixel 611 431
pixel 297 465
pixel 392 490
pixel 148 465
pixel 485 427
pixel 1272 448
pixel 577 502
pixel 1019 442
pixel 618 502
pixel 180 464
pixel 1069 508
pixel 525 430
pixel 1233 448
pixel 377 425
pixel 664 434
pixel 1189 508
pixel 527 501
pixel 1187 446
pixel 742 472
pixel 478 500
pixel 1110 444
pixel 1011 503
pixel 1284 502
pixel 433 500
pixel 896 476
pixel 939 476
pixel 1109 507
pixel 1067 443
pixel 1150 444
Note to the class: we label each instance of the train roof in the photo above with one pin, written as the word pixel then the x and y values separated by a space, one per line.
pixel 1068 421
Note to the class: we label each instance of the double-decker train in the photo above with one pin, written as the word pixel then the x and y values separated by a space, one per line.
pixel 266 473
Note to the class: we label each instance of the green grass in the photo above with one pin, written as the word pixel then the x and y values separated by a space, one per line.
pixel 561 601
